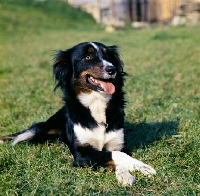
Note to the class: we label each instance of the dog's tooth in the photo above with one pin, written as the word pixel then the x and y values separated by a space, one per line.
pixel 91 78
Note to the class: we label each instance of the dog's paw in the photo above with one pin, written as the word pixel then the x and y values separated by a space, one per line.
pixel 123 176
pixel 132 164
pixel 146 169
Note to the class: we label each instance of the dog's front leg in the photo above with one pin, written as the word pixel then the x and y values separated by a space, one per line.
pixel 124 163
pixel 87 156
pixel 121 162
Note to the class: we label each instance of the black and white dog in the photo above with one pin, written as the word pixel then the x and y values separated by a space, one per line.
pixel 91 122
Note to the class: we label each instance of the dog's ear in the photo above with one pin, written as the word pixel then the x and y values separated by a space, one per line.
pixel 61 67
pixel 114 57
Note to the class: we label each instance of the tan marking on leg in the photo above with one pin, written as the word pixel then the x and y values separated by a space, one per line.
pixel 110 166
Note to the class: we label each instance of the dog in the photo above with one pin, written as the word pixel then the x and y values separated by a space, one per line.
pixel 91 122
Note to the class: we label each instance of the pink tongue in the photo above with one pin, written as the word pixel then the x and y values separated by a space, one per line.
pixel 108 87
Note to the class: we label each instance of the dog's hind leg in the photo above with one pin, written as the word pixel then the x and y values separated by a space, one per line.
pixel 41 131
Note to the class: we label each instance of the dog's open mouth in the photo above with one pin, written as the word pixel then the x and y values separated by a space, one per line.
pixel 101 85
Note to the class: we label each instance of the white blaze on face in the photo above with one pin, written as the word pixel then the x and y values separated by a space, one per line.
pixel 94 45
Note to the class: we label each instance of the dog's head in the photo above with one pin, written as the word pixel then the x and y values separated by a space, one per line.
pixel 88 66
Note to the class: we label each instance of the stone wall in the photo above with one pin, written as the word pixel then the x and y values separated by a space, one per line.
pixel 188 13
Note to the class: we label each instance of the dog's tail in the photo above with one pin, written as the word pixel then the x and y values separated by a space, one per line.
pixel 50 130
pixel 34 135
pixel 7 137
pixel 25 135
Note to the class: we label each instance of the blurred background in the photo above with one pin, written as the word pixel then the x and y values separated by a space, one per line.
pixel 142 12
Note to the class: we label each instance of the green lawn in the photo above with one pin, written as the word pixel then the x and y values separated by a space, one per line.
pixel 162 92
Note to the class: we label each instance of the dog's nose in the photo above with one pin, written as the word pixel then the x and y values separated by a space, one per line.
pixel 110 69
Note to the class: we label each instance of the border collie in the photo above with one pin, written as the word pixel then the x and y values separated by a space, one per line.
pixel 91 122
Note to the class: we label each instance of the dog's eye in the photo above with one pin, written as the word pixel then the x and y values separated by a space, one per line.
pixel 88 57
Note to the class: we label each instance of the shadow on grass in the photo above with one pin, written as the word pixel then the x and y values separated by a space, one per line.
pixel 140 135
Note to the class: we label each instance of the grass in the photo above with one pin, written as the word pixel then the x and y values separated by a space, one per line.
pixel 162 92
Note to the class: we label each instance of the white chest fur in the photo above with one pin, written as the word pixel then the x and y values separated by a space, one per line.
pixel 99 139
pixel 96 102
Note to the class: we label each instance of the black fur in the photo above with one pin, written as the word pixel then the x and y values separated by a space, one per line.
pixel 67 67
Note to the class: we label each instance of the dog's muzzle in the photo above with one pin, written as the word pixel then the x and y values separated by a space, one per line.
pixel 110 69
